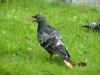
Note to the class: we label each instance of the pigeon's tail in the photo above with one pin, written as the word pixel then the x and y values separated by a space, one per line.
pixel 68 63
pixel 89 25
pixel 66 57
pixel 67 60
pixel 86 26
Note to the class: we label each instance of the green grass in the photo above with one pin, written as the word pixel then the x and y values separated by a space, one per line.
pixel 20 52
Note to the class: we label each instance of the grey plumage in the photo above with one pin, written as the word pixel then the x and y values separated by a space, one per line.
pixel 93 26
pixel 50 39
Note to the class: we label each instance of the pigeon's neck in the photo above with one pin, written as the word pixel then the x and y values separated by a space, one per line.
pixel 42 24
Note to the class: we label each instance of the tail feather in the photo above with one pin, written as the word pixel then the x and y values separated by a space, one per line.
pixel 63 53
pixel 68 64
pixel 67 60
pixel 86 26
pixel 89 25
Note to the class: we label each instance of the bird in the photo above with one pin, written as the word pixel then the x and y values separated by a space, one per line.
pixel 50 39
pixel 93 26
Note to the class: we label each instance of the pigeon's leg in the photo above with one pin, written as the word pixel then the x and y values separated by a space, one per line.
pixel 51 56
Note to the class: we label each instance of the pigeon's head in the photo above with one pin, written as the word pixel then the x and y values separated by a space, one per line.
pixel 39 18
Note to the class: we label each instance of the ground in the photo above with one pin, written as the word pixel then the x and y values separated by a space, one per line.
pixel 20 52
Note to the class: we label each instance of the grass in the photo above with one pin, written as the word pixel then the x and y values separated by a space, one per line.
pixel 20 52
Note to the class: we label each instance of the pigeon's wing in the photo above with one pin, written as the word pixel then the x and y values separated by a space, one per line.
pixel 47 33
pixel 50 39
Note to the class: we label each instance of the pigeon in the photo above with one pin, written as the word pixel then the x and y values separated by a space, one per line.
pixel 93 26
pixel 50 39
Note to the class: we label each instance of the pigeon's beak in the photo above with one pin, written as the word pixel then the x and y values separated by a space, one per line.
pixel 34 18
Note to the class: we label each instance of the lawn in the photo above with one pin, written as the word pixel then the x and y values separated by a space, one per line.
pixel 20 52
